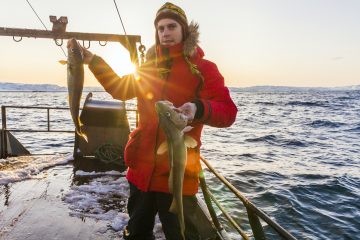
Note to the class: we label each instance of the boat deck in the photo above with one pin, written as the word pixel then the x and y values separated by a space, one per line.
pixel 44 206
pixel 34 209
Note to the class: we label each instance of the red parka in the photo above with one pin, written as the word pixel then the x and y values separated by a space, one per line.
pixel 167 75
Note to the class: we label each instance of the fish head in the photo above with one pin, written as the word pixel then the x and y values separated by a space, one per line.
pixel 169 116
pixel 75 53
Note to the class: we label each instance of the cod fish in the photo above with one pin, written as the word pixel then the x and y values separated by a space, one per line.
pixel 75 82
pixel 174 124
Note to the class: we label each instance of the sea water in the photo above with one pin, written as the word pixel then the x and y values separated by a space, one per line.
pixel 294 154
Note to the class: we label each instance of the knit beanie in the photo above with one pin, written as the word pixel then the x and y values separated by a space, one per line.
pixel 169 10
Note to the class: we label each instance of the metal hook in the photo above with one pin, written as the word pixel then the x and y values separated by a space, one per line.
pixel 142 49
pixel 102 44
pixel 17 40
pixel 59 44
pixel 87 46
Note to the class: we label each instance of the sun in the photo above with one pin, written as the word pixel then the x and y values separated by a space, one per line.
pixel 118 59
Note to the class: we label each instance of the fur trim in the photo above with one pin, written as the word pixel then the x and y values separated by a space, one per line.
pixel 190 43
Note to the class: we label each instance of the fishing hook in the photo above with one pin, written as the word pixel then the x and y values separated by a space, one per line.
pixel 17 40
pixel 102 44
pixel 84 44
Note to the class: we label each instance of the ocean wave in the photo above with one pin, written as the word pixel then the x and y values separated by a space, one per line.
pixel 345 98
pixel 309 104
pixel 273 140
pixel 325 123
pixel 265 103
pixel 355 129
pixel 266 138
pixel 312 203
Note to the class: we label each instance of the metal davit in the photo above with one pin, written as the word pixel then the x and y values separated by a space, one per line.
pixel 58 34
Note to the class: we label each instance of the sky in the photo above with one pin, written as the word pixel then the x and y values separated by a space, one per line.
pixel 304 43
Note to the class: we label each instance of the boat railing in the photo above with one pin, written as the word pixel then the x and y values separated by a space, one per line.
pixel 4 127
pixel 253 212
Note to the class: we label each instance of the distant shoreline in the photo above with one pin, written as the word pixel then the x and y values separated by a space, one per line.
pixel 19 87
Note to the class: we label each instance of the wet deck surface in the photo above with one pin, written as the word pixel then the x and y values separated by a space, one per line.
pixel 48 197
pixel 34 209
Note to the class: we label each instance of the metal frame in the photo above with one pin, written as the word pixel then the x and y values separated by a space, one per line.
pixel 128 41
pixel 4 128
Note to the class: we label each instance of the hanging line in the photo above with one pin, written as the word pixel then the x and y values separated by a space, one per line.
pixel 44 25
pixel 122 24
pixel 141 47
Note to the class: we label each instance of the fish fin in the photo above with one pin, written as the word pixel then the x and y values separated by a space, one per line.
pixel 190 142
pixel 163 148
pixel 187 129
pixel 63 62
pixel 173 207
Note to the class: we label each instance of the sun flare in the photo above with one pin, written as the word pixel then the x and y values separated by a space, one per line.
pixel 119 60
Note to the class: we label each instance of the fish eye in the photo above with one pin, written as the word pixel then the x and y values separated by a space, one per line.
pixel 168 114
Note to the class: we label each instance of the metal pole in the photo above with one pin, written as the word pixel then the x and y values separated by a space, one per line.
pixel 4 153
pixel 280 230
pixel 256 226
pixel 208 201
pixel 1 144
pixel 48 119
pixel 128 41
pixel 227 215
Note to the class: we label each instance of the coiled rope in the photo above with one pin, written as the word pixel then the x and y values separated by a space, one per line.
pixel 110 153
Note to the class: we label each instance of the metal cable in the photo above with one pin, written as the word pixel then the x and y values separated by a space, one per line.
pixel 37 15
pixel 122 24
pixel 43 24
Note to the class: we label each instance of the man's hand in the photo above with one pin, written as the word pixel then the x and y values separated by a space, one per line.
pixel 88 56
pixel 189 110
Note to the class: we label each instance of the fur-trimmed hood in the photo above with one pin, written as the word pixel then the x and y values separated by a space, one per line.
pixel 190 47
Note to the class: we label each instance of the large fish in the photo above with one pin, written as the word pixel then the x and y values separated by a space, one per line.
pixel 75 82
pixel 174 124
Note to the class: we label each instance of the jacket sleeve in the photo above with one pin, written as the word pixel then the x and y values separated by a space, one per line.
pixel 219 108
pixel 122 88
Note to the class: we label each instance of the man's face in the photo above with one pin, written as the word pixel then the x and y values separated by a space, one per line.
pixel 169 32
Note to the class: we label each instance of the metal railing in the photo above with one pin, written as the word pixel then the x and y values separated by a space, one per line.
pixel 4 129
pixel 253 212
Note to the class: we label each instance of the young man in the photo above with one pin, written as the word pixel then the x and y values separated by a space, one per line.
pixel 175 70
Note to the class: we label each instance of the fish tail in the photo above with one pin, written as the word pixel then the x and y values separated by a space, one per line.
pixel 173 209
pixel 83 135
pixel 173 206
pixel 80 132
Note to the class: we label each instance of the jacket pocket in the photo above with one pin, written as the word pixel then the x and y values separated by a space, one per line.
pixel 131 149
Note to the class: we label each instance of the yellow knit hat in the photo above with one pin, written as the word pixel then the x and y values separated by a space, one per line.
pixel 170 10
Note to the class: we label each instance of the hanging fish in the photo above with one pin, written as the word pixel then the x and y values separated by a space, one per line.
pixel 75 82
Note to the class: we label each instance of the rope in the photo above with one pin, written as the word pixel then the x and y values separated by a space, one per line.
pixel 110 153
pixel 43 24
pixel 122 24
